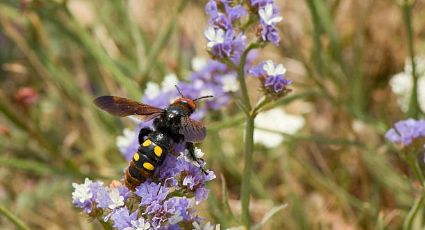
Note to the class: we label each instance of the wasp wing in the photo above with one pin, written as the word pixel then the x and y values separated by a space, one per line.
pixel 192 130
pixel 123 107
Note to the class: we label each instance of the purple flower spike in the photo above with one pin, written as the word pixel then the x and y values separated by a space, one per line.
pixel 224 40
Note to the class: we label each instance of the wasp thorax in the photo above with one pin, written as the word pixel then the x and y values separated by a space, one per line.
pixel 186 102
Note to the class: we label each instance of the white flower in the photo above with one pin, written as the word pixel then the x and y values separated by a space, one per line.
pixel 214 36
pixel 198 154
pixel 139 224
pixel 206 92
pixel 116 199
pixel 230 84
pixel 82 191
pixel 402 84
pixel 198 63
pixel 207 226
pixel 266 14
pixel 169 83
pixel 273 70
pixel 125 140
pixel 152 90
pixel 275 120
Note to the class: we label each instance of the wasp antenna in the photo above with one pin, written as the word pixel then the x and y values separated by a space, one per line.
pixel 203 97
pixel 180 92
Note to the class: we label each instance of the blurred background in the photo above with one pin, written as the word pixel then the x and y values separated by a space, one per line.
pixel 334 170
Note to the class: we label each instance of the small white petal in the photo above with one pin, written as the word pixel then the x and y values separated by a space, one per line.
pixel 209 33
pixel 276 120
pixel 274 20
pixel 82 192
pixel 269 9
pixel 230 83
pixel 214 36
pixel 198 63
pixel 152 90
pixel 125 140
pixel 269 67
pixel 198 153
pixel 280 70
pixel 266 14
pixel 116 199
pixel 169 83
pixel 262 14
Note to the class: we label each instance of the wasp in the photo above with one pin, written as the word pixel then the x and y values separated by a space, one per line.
pixel 171 125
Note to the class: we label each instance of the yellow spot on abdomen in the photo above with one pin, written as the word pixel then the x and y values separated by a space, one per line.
pixel 136 156
pixel 158 151
pixel 148 166
pixel 147 143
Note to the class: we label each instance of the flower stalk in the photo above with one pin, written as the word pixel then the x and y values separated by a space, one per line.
pixel 413 110
pixel 249 141
pixel 14 219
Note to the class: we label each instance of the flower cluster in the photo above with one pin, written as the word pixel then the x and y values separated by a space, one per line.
pixel 224 41
pixel 402 83
pixel 228 22
pixel 155 203
pixel 272 76
pixel 166 201
pixel 408 133
pixel 269 17
pixel 227 40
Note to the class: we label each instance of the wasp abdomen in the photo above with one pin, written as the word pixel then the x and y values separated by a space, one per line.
pixel 149 156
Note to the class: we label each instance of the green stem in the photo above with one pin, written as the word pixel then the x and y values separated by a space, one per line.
pixel 417 206
pixel 246 177
pixel 413 110
pixel 249 138
pixel 13 218
pixel 105 225
pixel 415 167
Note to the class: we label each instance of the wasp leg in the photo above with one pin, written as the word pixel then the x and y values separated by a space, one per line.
pixel 144 132
pixel 191 150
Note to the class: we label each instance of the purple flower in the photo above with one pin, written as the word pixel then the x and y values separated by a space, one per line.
pixel 122 218
pixel 179 208
pixel 103 199
pixel 85 195
pixel 259 3
pixel 277 82
pixel 225 44
pixel 269 15
pixel 235 13
pixel 152 195
pixel 273 76
pixel 406 131
pixel 269 34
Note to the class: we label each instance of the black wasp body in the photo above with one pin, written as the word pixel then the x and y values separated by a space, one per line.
pixel 150 154
pixel 171 125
